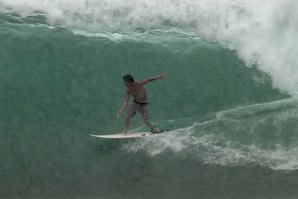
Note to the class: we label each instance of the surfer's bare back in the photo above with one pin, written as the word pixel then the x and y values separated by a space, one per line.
pixel 140 104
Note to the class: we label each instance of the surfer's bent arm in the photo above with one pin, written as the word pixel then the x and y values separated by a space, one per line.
pixel 125 103
pixel 150 79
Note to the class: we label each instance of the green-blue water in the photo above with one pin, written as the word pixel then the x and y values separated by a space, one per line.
pixel 232 134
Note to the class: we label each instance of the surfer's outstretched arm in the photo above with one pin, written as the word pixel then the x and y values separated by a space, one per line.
pixel 125 103
pixel 150 79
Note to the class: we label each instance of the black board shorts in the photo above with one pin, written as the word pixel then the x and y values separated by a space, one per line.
pixel 142 108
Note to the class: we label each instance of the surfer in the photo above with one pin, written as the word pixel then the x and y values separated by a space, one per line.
pixel 140 104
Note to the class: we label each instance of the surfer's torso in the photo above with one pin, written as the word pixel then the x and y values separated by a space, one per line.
pixel 138 92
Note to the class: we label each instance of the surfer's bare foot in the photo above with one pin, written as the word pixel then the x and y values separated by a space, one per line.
pixel 154 131
pixel 124 133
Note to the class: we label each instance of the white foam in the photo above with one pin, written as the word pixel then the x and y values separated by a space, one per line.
pixel 207 149
pixel 234 138
pixel 263 32
pixel 158 144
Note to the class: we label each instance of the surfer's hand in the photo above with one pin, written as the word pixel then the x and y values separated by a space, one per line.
pixel 119 114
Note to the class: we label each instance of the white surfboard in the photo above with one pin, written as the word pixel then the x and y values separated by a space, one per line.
pixel 128 135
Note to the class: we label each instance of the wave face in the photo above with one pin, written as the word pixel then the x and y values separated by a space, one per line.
pixel 227 100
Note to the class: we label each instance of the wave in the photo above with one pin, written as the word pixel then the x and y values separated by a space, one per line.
pixel 263 33
pixel 61 65
pixel 261 134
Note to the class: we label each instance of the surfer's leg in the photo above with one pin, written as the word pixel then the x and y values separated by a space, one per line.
pixel 130 114
pixel 147 122
pixel 127 121
pixel 144 112
pixel 152 130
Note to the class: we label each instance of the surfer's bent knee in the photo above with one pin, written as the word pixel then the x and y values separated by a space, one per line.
pixel 130 115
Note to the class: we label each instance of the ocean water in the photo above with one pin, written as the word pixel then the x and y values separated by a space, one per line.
pixel 228 100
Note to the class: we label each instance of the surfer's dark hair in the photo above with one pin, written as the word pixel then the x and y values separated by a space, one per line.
pixel 128 78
